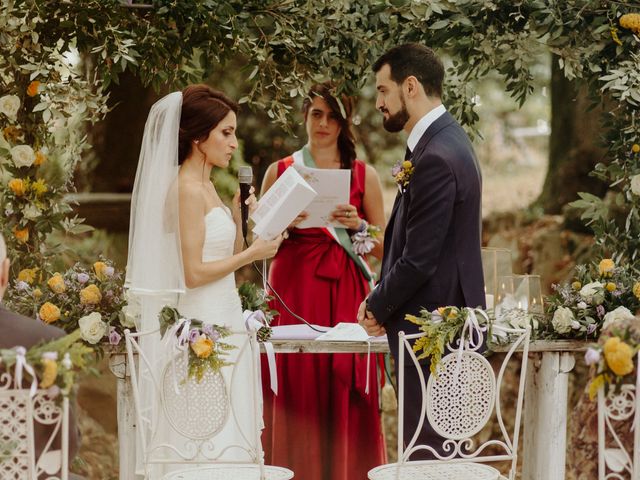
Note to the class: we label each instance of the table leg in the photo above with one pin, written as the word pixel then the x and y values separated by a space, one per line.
pixel 545 416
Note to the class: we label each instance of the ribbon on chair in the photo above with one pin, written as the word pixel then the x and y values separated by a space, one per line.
pixel 474 330
pixel 22 364
pixel 254 321
pixel 172 341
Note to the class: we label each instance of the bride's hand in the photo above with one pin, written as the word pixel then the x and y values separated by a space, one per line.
pixel 252 202
pixel 261 249
pixel 301 216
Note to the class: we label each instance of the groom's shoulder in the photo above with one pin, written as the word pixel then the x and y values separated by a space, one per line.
pixel 18 330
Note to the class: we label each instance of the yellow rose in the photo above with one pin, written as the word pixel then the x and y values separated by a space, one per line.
pixel 49 313
pixel 619 356
pixel 37 293
pixel 99 268
pixel 39 187
pixel 56 283
pixel 203 347
pixel 576 285
pixel 17 187
pixel 636 290
pixel 610 286
pixel 631 21
pixel 32 89
pixel 606 267
pixel 27 275
pixel 21 234
pixel 49 372
pixel 40 158
pixel 90 295
pixel 406 165
pixel 635 148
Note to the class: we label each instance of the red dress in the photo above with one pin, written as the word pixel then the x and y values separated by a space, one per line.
pixel 322 424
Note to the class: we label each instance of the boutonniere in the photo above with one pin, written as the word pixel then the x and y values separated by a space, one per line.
pixel 402 172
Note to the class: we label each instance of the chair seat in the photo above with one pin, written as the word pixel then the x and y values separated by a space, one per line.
pixel 435 471
pixel 230 472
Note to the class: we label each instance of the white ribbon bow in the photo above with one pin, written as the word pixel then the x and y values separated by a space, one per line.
pixel 473 329
pixel 254 321
pixel 173 342
pixel 22 364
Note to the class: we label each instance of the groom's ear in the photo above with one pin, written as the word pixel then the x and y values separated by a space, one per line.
pixel 411 86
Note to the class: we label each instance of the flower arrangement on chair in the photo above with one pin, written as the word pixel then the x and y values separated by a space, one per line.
pixel 206 350
pixel 599 294
pixel 92 300
pixel 256 302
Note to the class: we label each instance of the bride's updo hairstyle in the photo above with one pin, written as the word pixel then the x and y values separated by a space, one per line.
pixel 202 109
pixel 342 107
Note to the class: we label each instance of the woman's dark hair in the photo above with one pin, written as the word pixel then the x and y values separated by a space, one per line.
pixel 202 109
pixel 342 109
pixel 413 59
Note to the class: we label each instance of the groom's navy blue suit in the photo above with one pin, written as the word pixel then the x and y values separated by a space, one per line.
pixel 432 245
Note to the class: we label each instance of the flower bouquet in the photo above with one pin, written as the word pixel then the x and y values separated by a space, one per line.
pixel 206 350
pixel 599 294
pixel 442 327
pixel 254 299
pixel 612 358
pixel 89 299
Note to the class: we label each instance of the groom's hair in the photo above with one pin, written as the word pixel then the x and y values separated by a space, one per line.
pixel 413 59
pixel 203 108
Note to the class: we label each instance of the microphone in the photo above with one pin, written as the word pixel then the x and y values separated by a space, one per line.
pixel 245 177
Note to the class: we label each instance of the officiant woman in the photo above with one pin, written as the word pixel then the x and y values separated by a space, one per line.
pixel 322 424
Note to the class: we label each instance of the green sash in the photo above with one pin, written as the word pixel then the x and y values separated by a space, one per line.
pixel 341 233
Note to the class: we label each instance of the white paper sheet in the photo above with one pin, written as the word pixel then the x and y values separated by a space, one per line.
pixel 288 196
pixel 332 188
pixel 348 332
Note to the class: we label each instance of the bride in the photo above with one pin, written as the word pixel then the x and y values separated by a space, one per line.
pixel 184 247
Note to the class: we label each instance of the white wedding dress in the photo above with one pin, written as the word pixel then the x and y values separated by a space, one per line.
pixel 214 303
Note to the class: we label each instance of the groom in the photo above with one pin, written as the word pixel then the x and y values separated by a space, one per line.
pixel 432 241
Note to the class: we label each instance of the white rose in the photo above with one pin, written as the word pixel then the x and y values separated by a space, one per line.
pixel 9 105
pixel 23 155
pixel 92 328
pixel 592 292
pixel 31 212
pixel 582 305
pixel 635 184
pixel 562 320
pixel 128 317
pixel 614 316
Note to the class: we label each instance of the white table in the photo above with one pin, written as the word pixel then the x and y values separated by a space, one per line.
pixel 545 431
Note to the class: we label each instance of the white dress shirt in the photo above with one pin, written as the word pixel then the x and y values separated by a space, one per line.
pixel 425 122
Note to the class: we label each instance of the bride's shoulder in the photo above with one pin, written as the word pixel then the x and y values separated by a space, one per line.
pixel 190 192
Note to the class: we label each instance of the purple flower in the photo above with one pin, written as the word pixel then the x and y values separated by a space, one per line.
pixel 22 285
pixel 194 334
pixel 396 169
pixel 591 356
pixel 591 328
pixel 53 391
pixel 215 336
pixel 114 337
pixel 600 311
pixel 208 330
pixel 616 293
pixel 83 278
pixel 108 271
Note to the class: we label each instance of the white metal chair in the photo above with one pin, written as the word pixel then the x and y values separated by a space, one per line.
pixel 618 459
pixel 458 403
pixel 26 420
pixel 211 399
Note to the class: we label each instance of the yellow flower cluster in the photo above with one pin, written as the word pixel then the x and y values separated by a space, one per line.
pixel 606 267
pixel 20 187
pixel 203 347
pixel 100 269
pixel 635 148
pixel 576 285
pixel 21 234
pixel 40 158
pixel 619 356
pixel 49 372
pixel 631 21
pixel 56 283
pixel 49 313
pixel 17 186
pixel 39 187
pixel 90 295
pixel 27 275
pixel 636 290
pixel 610 286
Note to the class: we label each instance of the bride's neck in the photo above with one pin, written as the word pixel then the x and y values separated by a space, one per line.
pixel 196 169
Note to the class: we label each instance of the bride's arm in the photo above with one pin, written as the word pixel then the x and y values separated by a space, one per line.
pixel 192 234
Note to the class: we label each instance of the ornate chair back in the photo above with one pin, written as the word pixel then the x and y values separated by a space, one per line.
pixel 197 411
pixel 458 402
pixel 34 433
pixel 618 420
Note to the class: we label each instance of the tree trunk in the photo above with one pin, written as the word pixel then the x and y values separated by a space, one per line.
pixel 575 145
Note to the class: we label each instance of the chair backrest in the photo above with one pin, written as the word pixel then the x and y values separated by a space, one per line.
pixel 462 397
pixel 34 433
pixel 179 417
pixel 618 420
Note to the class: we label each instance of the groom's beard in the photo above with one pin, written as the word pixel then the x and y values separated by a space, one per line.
pixel 398 120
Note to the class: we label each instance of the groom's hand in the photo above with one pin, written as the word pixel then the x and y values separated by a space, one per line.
pixel 369 322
